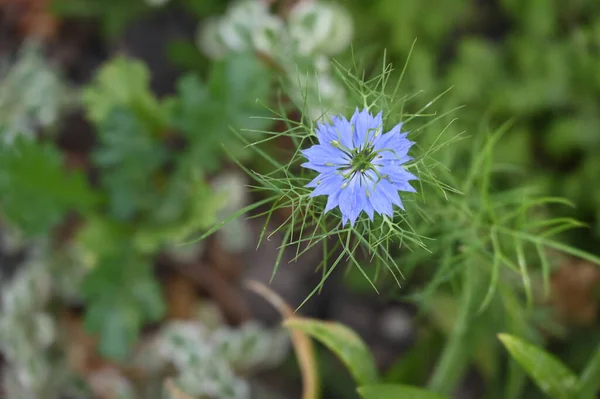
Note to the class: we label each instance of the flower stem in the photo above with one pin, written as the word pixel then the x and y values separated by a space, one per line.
pixel 456 354
pixel 589 382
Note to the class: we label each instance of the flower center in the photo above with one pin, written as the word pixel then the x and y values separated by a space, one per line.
pixel 361 159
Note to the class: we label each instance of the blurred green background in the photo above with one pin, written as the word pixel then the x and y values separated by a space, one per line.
pixel 535 63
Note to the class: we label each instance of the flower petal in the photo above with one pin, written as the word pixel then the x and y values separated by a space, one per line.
pixel 380 203
pixel 343 131
pixel 327 184
pixel 399 177
pixel 344 220
pixel 325 133
pixel 366 188
pixel 323 154
pixel 397 142
pixel 390 191
pixel 396 130
pixel 332 201
pixel 365 126
pixel 377 200
pixel 393 144
pixel 352 200
pixel 319 168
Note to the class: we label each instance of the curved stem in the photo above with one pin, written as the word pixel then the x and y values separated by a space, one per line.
pixel 589 383
pixel 457 353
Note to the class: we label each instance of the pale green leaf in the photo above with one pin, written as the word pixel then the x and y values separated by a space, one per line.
pixel 389 391
pixel 36 189
pixel 123 83
pixel 342 341
pixel 549 373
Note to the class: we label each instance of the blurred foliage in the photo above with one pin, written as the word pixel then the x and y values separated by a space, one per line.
pixel 124 83
pixel 122 295
pixel 114 15
pixel 153 160
pixel 131 158
pixel 209 113
pixel 297 43
pixel 30 334
pixel 32 94
pixel 209 361
pixel 345 343
pixel 534 61
pixel 553 378
pixel 37 192
pixel 154 157
pixel 355 355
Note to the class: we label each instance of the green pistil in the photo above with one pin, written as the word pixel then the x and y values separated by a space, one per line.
pixel 362 159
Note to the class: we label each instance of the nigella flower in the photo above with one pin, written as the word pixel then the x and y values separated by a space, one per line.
pixel 360 167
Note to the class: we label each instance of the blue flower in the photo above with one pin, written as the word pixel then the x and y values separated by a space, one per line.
pixel 360 167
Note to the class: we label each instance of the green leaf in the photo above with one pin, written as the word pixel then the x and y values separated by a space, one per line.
pixel 203 121
pixel 414 366
pixel 205 8
pixel 184 54
pixel 589 383
pixel 238 82
pixel 194 109
pixel 342 341
pixel 409 19
pixel 36 191
pixel 549 373
pixel 389 391
pixel 114 15
pixel 117 325
pixel 123 83
pixel 99 232
pixel 188 206
pixel 129 158
pixel 121 295
pixel 476 69
pixel 207 112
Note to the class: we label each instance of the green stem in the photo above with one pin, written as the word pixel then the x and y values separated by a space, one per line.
pixel 456 354
pixel 589 383
pixel 516 380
